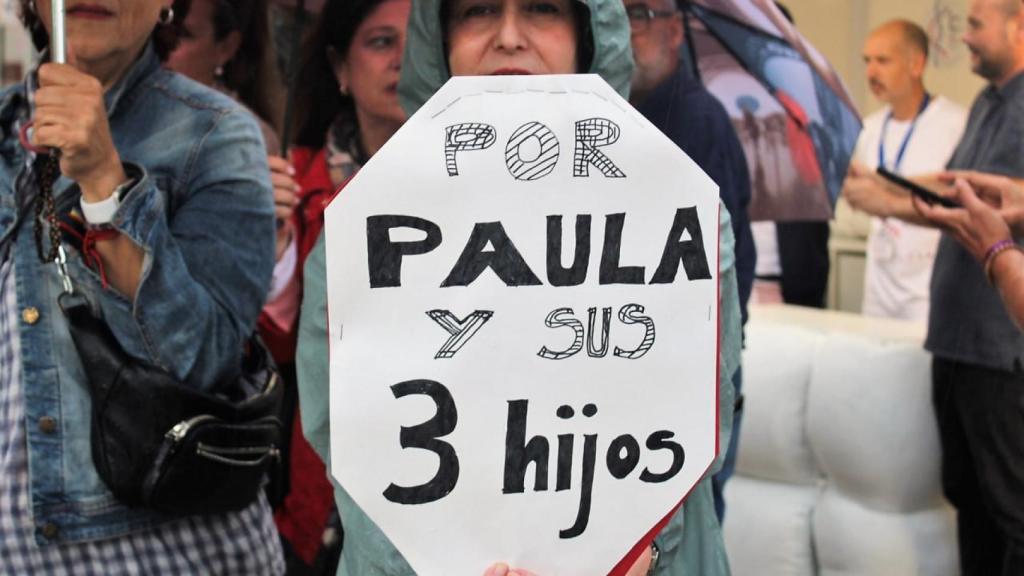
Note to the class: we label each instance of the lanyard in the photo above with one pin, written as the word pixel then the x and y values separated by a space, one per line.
pixel 906 139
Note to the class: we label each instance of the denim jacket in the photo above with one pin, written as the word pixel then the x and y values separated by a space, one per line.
pixel 202 211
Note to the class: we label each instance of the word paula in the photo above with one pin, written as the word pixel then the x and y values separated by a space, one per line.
pixel 490 247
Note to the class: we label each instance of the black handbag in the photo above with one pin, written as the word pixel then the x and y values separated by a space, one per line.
pixel 155 442
pixel 163 445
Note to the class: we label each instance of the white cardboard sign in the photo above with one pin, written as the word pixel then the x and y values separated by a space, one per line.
pixel 522 290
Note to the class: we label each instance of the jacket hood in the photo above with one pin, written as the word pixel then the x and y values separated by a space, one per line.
pixel 425 68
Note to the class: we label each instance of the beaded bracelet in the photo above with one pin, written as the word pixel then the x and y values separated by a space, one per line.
pixel 994 251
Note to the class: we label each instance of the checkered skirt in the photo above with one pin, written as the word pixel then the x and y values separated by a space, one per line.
pixel 242 543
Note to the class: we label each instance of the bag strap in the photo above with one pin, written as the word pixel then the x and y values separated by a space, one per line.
pixel 46 170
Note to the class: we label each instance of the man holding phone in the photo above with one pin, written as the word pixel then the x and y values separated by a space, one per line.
pixel 978 364
pixel 914 134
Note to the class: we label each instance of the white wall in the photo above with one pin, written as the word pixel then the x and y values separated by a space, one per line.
pixel 16 45
pixel 838 29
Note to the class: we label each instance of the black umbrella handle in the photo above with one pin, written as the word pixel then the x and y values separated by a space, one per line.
pixel 293 76
pixel 691 44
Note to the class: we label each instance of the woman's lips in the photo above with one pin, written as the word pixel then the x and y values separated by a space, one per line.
pixel 511 72
pixel 89 12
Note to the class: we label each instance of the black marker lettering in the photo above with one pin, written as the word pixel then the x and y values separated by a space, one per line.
pixel 464 137
pixel 505 259
pixel 590 135
pixel 425 437
pixel 606 322
pixel 557 319
pixel 690 252
pixel 575 275
pixel 519 453
pixel 384 257
pixel 543 163
pixel 611 272
pixel 661 440
pixel 634 314
pixel 462 331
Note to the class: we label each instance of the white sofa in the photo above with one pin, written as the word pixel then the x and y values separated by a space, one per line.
pixel 838 468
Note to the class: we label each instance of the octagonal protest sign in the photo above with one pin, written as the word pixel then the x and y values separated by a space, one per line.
pixel 522 301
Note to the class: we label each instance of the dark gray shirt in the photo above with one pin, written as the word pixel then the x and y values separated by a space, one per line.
pixel 968 322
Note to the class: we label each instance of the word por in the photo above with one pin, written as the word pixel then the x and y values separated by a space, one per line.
pixel 533 149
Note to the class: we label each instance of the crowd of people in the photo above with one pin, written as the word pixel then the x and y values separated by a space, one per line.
pixel 157 173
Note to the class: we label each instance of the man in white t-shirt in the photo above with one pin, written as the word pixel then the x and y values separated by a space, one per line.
pixel 914 134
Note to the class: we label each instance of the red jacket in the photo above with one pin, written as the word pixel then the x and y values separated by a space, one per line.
pixel 303 515
pixel 317 192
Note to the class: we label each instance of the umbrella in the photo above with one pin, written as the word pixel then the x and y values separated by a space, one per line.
pixel 292 74
pixel 58 49
pixel 792 113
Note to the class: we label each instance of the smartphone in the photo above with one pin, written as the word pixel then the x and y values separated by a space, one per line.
pixel 917 190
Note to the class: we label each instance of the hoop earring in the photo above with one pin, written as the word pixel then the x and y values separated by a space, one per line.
pixel 166 15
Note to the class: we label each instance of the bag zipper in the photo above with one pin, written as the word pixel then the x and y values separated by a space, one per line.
pixel 181 429
pixel 178 432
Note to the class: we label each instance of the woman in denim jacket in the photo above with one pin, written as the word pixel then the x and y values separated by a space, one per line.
pixel 172 180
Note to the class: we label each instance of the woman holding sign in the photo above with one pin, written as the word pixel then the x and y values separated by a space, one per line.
pixel 486 37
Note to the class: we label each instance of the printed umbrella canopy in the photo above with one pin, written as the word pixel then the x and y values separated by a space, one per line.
pixel 792 113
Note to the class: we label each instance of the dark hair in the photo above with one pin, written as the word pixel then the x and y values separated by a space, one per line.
pixel 165 37
pixel 584 36
pixel 252 72
pixel 318 100
pixel 581 19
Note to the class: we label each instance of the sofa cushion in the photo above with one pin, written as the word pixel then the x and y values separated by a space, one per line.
pixel 773 443
pixel 853 540
pixel 870 423
pixel 768 527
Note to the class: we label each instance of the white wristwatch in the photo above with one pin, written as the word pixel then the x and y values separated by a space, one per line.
pixel 102 212
pixel 655 554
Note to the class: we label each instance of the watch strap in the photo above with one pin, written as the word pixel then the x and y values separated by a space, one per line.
pixel 655 554
pixel 103 212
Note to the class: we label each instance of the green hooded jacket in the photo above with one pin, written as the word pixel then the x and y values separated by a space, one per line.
pixel 691 544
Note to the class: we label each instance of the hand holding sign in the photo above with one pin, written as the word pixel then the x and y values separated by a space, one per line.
pixel 502 569
pixel 523 327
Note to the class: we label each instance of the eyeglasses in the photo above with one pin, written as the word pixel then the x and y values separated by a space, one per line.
pixel 641 15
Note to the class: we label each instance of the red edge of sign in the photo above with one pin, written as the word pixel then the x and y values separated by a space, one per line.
pixel 627 561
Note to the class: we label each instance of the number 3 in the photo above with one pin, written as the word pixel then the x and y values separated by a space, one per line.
pixel 425 437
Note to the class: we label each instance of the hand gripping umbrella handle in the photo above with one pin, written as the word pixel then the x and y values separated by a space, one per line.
pixel 58 55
